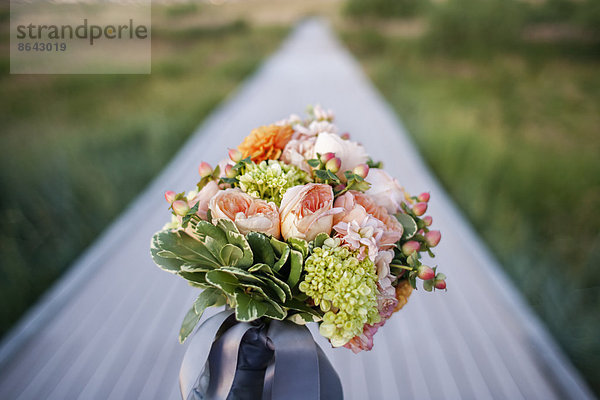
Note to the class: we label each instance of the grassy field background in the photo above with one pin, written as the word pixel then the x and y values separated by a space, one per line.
pixel 502 97
pixel 77 148
pixel 510 123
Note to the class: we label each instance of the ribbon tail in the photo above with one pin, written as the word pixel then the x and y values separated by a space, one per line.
pixel 330 387
pixel 268 382
pixel 223 361
pixel 296 369
pixel 197 353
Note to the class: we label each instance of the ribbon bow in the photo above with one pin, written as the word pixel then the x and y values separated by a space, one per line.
pixel 229 360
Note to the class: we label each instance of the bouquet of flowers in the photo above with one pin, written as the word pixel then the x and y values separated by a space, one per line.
pixel 299 224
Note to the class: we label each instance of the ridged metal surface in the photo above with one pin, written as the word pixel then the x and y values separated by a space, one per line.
pixel 108 330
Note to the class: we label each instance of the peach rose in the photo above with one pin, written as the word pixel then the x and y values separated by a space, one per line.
pixel 385 190
pixel 248 214
pixel 307 210
pixel 356 206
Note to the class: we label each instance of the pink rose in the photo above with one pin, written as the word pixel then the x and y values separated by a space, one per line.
pixel 350 153
pixel 307 210
pixel 386 302
pixel 248 214
pixel 313 129
pixel 364 341
pixel 203 198
pixel 296 152
pixel 357 206
pixel 385 190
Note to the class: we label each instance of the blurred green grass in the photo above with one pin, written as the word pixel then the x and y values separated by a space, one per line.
pixel 511 130
pixel 78 148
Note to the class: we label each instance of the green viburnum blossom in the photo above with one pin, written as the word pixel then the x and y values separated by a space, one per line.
pixel 269 180
pixel 344 287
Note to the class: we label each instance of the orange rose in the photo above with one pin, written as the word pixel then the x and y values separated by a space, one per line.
pixel 266 142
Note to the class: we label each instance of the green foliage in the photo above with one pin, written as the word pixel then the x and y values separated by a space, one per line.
pixel 513 139
pixel 78 148
pixel 181 9
pixel 256 274
pixel 384 8
pixel 409 225
pixel 474 27
pixel 584 14
pixel 207 298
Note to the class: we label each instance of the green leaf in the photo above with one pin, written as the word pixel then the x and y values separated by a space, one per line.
pixel 296 262
pixel 227 225
pixel 190 321
pixel 199 285
pixel 297 305
pixel 275 288
pixel 373 164
pixel 261 248
pixel 164 259
pixel 261 268
pixel 286 288
pixel 194 268
pixel 282 260
pixel 214 247
pixel 413 260
pixel 362 186
pixel 320 239
pixel 428 285
pixel 256 290
pixel 278 246
pixel 313 162
pixel 206 229
pixel 183 247
pixel 231 181
pixel 231 254
pixel 241 274
pixel 282 250
pixel 299 245
pixel 223 280
pixel 332 177
pixel 251 307
pixel 248 308
pixel 321 174
pixel 409 225
pixel 216 172
pixel 211 297
pixel 236 238
pixel 412 279
pixel 275 311
pixel 303 318
pixel 196 277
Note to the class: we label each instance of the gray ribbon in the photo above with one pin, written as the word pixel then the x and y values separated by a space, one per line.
pixel 299 369
pixel 296 365
pixel 196 355
pixel 222 362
